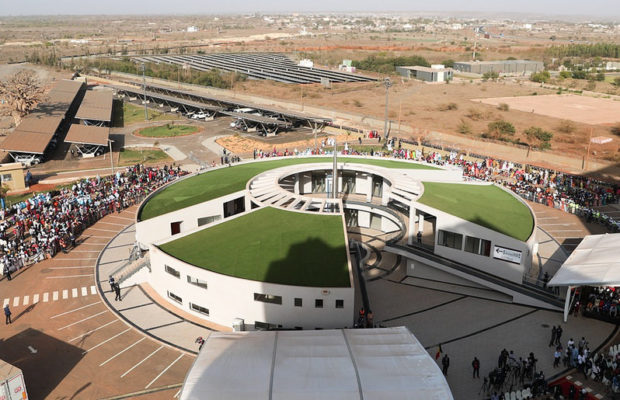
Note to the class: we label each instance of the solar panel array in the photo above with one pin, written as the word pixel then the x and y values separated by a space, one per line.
pixel 272 66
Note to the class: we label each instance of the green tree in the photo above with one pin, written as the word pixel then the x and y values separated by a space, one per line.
pixel 539 136
pixel 492 75
pixel 540 77
pixel 499 129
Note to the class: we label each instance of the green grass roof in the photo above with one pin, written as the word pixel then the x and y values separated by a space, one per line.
pixel 218 183
pixel 485 205
pixel 271 245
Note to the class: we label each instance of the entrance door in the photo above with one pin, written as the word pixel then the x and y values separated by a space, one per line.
pixel 175 227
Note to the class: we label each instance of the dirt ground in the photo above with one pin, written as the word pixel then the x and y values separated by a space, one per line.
pixel 444 108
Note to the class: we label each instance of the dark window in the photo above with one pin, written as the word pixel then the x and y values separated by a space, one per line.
pixel 175 227
pixel 477 246
pixel 200 309
pixel 175 297
pixel 318 303
pixel 197 282
pixel 234 207
pixel 450 239
pixel 268 298
pixel 172 271
pixel 298 302
pixel 208 220
pixel 339 303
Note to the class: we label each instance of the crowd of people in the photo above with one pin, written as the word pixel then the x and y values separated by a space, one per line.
pixel 46 223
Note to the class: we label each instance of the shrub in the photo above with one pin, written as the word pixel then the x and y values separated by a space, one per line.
pixel 616 130
pixel 540 77
pixel 464 127
pixel 538 134
pixel 501 128
pixel 617 81
pixel 474 114
pixel 490 75
pixel 590 86
pixel 565 74
pixel 566 126
pixel 503 107
pixel 448 107
pixel 600 77
pixel 357 103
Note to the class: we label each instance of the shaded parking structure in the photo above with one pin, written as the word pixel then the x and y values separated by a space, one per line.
pixel 40 131
pixel 91 135
pixel 96 108
pixel 249 116
pixel 272 66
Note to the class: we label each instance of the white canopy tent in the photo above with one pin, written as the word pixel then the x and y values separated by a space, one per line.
pixel 595 262
pixel 387 363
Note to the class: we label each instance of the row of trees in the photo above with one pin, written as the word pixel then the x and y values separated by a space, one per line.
pixel 608 50
pixel 387 65
pixel 214 77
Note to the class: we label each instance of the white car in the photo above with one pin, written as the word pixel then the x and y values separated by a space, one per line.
pixel 199 115
pixel 28 160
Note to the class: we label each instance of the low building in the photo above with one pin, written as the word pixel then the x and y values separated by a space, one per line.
pixel 12 176
pixel 436 73
pixel 502 67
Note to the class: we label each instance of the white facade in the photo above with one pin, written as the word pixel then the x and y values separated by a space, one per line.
pixel 228 298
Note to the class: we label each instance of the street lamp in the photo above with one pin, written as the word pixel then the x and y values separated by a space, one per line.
pixel 387 83
pixel 146 113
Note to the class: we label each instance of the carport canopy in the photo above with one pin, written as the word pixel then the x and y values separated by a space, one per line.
pixel 595 262
pixel 88 134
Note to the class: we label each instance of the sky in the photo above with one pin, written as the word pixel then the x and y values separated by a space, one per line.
pixel 609 9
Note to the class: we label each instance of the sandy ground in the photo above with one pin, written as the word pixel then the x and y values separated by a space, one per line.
pixel 588 110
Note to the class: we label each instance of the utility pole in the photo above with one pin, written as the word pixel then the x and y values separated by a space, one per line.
pixel 146 113
pixel 335 173
pixel 588 150
pixel 387 83
pixel 111 155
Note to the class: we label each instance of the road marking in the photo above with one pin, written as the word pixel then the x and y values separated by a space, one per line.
pixel 138 364
pixel 116 216
pixel 75 309
pixel 74 259
pixel 74 293
pixel 120 352
pixel 547 217
pixel 102 230
pixel 6 301
pixel 55 296
pixel 106 341
pixel 93 330
pixel 93 289
pixel 82 320
pixel 68 276
pixel 35 299
pixel 15 301
pixel 85 251
pixel 162 372
pixel 177 394
pixel 84 291
pixel 566 224
pixel 32 350
pixel 82 267
pixel 564 230
pixel 111 223
pixel 26 300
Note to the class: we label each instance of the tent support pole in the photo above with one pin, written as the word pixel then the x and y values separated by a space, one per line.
pixel 567 302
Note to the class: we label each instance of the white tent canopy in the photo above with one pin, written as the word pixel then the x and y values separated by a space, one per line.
pixel 386 363
pixel 595 262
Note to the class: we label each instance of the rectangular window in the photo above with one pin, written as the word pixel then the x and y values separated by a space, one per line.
pixel 197 282
pixel 7 178
pixel 268 298
pixel 175 227
pixel 172 271
pixel 200 309
pixel 298 302
pixel 477 246
pixel 208 220
pixel 450 239
pixel 175 297
pixel 318 303
pixel 339 303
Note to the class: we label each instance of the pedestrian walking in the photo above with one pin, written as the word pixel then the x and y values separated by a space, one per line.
pixel 445 363
pixel 419 236
pixel 111 281
pixel 556 357
pixel 7 314
pixel 7 272
pixel 476 366
pixel 554 334
pixel 117 290
pixel 558 335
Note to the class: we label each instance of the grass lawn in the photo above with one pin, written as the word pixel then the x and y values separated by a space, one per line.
pixel 271 245
pixel 488 206
pixel 132 114
pixel 133 156
pixel 168 130
pixel 214 184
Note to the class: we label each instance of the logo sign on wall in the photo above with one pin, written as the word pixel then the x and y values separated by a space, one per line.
pixel 502 253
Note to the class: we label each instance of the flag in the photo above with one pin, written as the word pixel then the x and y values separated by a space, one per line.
pixel 438 352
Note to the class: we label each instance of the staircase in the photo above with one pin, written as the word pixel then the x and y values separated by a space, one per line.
pixel 134 264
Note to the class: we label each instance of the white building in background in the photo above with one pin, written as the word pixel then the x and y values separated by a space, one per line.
pixel 192 29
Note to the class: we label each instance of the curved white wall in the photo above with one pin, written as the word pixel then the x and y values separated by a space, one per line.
pixel 228 298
